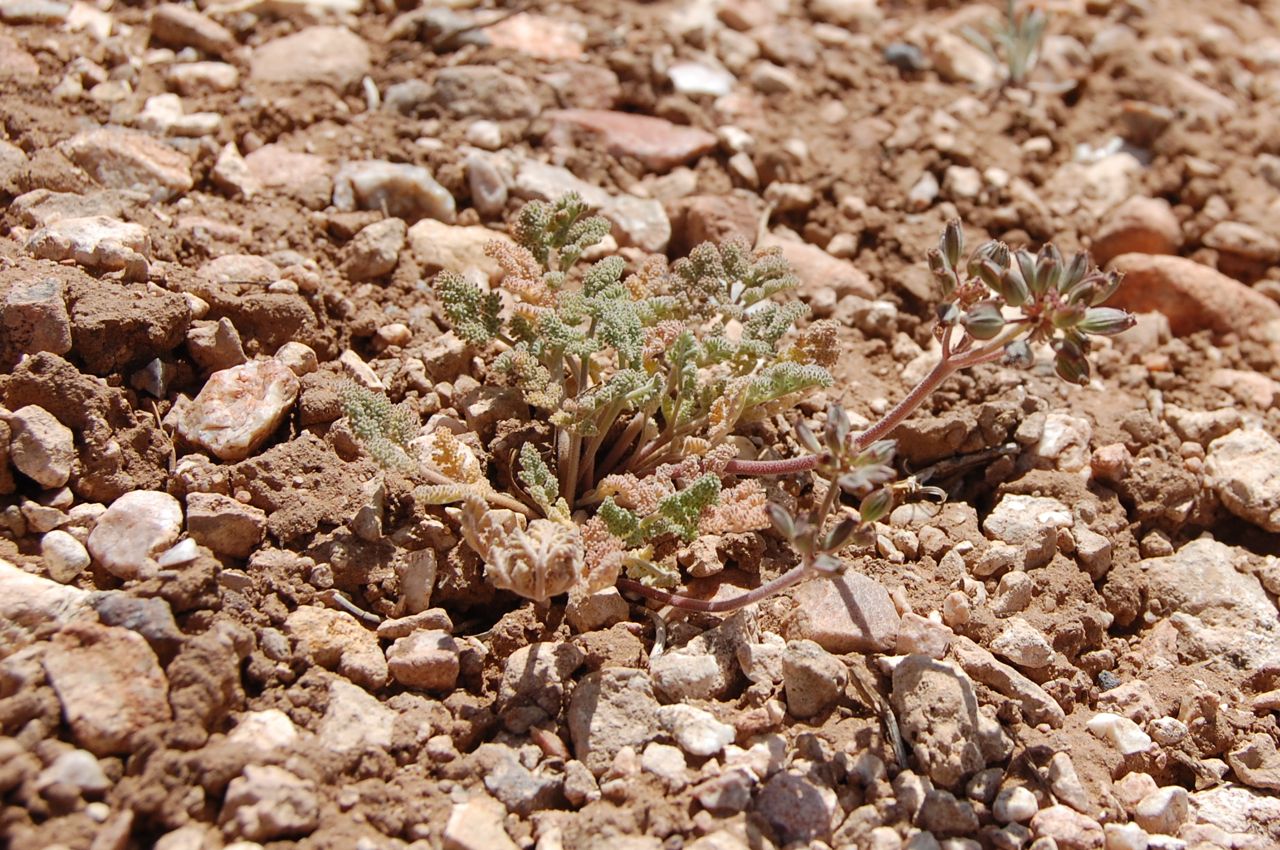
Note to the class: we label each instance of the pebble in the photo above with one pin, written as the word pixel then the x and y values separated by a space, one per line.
pixel 299 357
pixel 813 679
pixel 922 636
pixel 1194 297
pixel 488 185
pixel 436 245
pixel 958 61
pixel 196 78
pixel 1139 225
pixel 727 793
pixel 1163 811
pixel 109 684
pixel 98 243
pixel 1029 522
pixel 937 711
pixel 520 789
pixel 667 763
pixel 165 114
pixel 1037 706
pixel 41 447
pixel 696 78
pixel 1023 645
pixel 961 182
pixel 130 159
pixel 657 143
pixel 325 55
pixel 64 556
pixel 426 659
pixel 695 730
pixel 398 189
pixel 641 222
pixel 596 611
pixel 33 602
pixel 848 613
pixel 1202 426
pixel 375 250
pixel 180 26
pixel 133 530
pixel 238 409
pixel 1125 836
pixel 1013 593
pixel 337 641
pixel 481 91
pixel 1244 468
pixel 611 709
pixel 1015 804
pixel 223 524
pixel 78 769
pixel 19 12
pixel 215 345
pixel 1125 735
pixel 33 318
pixel 355 720
pixel 267 802
pixel 1070 829
pixel 267 730
pixel 303 176
pixel 797 808
pixel 477 825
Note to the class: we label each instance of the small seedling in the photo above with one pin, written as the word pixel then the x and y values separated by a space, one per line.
pixel 1013 42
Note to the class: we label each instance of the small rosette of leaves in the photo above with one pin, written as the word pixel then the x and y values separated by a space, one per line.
pixel 541 485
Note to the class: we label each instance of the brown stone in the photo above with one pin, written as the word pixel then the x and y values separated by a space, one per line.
pixel 1194 297
pixel 1137 226
pixel 849 613
pixel 658 144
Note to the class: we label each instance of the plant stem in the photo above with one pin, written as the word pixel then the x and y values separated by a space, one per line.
pixel 717 606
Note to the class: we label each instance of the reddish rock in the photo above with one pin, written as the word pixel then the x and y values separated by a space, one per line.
pixel 109 683
pixel 539 35
pixel 849 613
pixel 1137 226
pixel 714 218
pixel 179 26
pixel 130 159
pixel 1192 296
pixel 332 56
pixel 819 270
pixel 658 144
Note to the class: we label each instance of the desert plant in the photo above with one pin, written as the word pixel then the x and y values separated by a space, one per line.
pixel 639 371
pixel 1013 41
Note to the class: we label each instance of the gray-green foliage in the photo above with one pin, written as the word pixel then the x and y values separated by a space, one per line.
pixel 384 429
pixel 655 359
pixel 1014 40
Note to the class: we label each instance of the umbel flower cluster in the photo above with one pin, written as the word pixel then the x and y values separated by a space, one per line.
pixel 645 377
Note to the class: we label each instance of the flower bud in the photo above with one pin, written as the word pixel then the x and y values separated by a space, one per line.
pixel 983 321
pixel 1072 367
pixel 1068 316
pixel 781 520
pixel 880 452
pixel 988 272
pixel 840 534
pixel 952 243
pixel 876 505
pixel 1013 288
pixel 948 313
pixel 1105 321
pixel 1076 269
pixel 1108 288
pixel 1026 263
pixel 938 263
pixel 807 438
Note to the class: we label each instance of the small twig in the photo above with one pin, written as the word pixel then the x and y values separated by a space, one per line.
pixel 335 599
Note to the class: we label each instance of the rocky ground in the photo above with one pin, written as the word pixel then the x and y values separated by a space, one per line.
pixel 222 625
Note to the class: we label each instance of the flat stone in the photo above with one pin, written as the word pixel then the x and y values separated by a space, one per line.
pixel 938 713
pixel 1139 225
pixel 239 408
pixel 695 730
pixel 445 247
pixel 115 327
pixel 34 318
pixel 477 825
pixel 337 641
pixel 1029 523
pixel 848 613
pixel 268 802
pixel 180 26
pixel 1023 644
pixel 540 36
pixel 1194 297
pixel 479 91
pixel 611 709
pixel 306 177
pixel 818 269
pixel 19 12
pixel 425 659
pixel 16 63
pixel 355 720
pixel 215 345
pixel 41 447
pixel 1068 828
pixel 797 808
pixel 324 55
pixel 195 78
pixel 375 250
pixel 98 243
pixel 655 142
pixel 33 602
pixel 1244 468
pixel 130 159
pixel 537 675
pixel 813 679
pixel 133 531
pixel 109 683
pixel 400 190
pixel 1037 705
pixel 266 730
pixel 224 525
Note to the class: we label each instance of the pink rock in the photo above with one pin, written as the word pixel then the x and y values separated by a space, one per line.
pixel 332 56
pixel 16 63
pixel 1070 829
pixel 1137 226
pixel 238 408
pixel 109 683
pixel 850 613
pixel 425 659
pixel 130 159
pixel 1194 297
pixel 539 35
pixel 819 270
pixel 657 143
pixel 304 176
